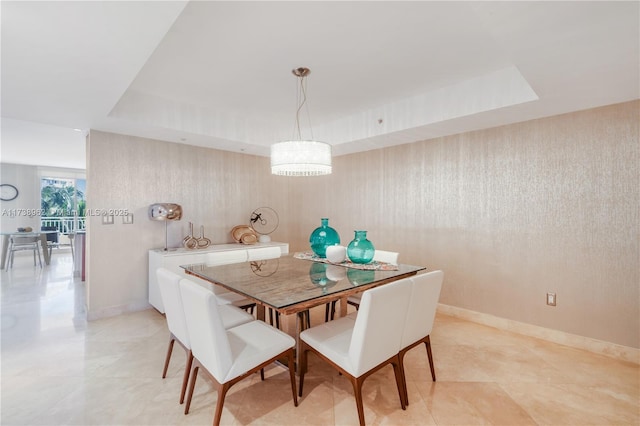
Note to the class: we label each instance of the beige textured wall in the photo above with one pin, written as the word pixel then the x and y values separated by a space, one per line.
pixel 216 189
pixel 508 213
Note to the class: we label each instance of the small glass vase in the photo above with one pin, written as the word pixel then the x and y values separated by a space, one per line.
pixel 322 237
pixel 360 250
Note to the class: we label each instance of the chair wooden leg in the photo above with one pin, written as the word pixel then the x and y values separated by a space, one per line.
pixel 329 311
pixel 402 353
pixel 292 376
pixel 277 317
pixel 401 385
pixel 192 385
pixel 303 365
pixel 185 379
pixel 427 343
pixel 355 305
pixel 222 392
pixel 357 391
pixel 172 340
pixel 405 393
pixel 262 374
pixel 303 321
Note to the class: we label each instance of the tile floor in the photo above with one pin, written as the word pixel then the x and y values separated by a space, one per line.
pixel 59 369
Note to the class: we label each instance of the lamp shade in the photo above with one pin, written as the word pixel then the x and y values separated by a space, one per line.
pixel 301 158
pixel 165 211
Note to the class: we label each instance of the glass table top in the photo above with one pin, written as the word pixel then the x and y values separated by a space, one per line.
pixel 286 281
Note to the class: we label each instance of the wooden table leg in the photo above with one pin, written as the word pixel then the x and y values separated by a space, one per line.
pixel 301 325
pixel 260 312
pixel 343 307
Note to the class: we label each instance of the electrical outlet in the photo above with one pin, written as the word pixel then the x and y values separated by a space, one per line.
pixel 551 299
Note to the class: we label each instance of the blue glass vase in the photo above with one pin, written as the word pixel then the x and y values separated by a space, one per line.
pixel 360 250
pixel 322 237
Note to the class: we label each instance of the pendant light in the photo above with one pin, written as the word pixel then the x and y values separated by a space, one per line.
pixel 299 157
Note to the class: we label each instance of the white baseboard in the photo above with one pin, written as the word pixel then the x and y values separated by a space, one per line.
pixel 609 349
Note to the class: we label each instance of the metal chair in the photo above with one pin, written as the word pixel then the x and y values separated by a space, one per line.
pixel 22 244
pixel 52 238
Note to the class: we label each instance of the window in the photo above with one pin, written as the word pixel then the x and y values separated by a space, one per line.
pixel 63 203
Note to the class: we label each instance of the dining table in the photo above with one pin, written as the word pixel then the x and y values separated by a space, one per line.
pixel 295 283
pixel 6 236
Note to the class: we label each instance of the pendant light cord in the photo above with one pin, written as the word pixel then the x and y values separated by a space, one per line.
pixel 301 101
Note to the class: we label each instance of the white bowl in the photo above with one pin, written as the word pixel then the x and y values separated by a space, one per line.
pixel 336 254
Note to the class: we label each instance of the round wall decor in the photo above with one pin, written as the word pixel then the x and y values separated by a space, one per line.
pixel 8 192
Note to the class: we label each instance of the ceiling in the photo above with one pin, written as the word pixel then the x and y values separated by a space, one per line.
pixel 218 74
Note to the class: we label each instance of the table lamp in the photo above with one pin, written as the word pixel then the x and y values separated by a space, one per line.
pixel 165 212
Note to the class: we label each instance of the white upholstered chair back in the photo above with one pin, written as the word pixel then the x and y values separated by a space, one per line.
pixel 378 328
pixel 264 253
pixel 209 341
pixel 386 256
pixel 217 258
pixel 425 293
pixel 172 300
pixel 380 256
pixel 226 257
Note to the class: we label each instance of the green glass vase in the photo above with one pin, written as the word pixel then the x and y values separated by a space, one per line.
pixel 360 276
pixel 322 237
pixel 360 250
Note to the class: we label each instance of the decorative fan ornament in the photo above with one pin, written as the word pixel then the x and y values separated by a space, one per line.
pixel 264 220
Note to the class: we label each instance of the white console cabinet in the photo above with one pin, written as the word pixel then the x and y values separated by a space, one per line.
pixel 173 258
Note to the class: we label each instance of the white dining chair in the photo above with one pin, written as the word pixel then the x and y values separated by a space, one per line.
pixel 226 257
pixel 358 346
pixel 354 300
pixel 263 253
pixel 228 356
pixel 168 282
pixel 224 296
pixel 21 244
pixel 425 293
